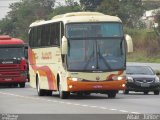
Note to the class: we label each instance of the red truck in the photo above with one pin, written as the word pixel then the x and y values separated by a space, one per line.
pixel 13 61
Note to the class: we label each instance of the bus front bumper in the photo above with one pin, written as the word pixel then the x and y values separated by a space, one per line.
pixel 76 86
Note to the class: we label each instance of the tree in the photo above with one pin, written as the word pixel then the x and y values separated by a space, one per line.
pixel 70 6
pixel 157 21
pixel 90 5
pixel 22 14
pixel 128 10
pixel 109 7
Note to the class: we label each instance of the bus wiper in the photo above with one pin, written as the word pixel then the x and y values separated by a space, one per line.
pixel 86 65
pixel 104 60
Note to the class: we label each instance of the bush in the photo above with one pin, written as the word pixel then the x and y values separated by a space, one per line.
pixel 146 44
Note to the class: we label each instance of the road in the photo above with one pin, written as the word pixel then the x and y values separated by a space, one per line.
pixel 26 101
pixel 155 66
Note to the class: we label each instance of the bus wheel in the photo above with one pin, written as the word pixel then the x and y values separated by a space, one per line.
pixel 63 94
pixel 49 92
pixel 39 90
pixel 22 85
pixel 112 94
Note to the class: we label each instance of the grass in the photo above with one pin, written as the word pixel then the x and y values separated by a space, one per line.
pixel 146 46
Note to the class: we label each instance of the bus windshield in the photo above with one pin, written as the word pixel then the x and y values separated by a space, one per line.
pixel 11 53
pixel 99 50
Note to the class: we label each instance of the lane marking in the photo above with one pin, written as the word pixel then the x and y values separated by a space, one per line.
pixel 135 113
pixel 68 103
pixel 124 111
pixel 114 109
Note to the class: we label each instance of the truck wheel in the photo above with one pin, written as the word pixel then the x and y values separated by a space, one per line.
pixel 22 85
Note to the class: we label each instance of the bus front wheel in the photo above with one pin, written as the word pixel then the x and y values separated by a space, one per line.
pixel 63 94
pixel 112 94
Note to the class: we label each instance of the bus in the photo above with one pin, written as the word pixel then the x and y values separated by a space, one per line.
pixel 13 61
pixel 78 53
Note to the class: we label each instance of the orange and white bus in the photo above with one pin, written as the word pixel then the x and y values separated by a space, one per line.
pixel 79 52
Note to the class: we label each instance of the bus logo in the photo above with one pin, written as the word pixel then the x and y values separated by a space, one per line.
pixel 97 78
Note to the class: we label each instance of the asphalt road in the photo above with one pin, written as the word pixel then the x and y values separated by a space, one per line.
pixel 155 66
pixel 29 106
pixel 26 101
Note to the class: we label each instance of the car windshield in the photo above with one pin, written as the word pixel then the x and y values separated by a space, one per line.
pixel 145 70
pixel 11 53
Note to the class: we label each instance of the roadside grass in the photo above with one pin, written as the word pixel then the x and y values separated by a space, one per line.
pixel 143 59
pixel 146 46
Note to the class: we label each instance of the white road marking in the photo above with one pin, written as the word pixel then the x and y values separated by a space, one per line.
pixel 103 108
pixel 113 109
pixel 124 111
pixel 68 103
pixel 135 113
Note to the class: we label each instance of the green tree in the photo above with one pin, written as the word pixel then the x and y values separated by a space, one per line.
pixel 22 14
pixel 128 10
pixel 110 7
pixel 157 20
pixel 90 5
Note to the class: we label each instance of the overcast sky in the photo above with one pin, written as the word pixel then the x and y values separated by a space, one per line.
pixel 4 4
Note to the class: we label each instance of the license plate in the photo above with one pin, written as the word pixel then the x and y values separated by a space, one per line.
pixel 97 86
pixel 145 85
pixel 8 79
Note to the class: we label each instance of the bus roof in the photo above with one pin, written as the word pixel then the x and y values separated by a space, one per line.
pixel 7 40
pixel 78 17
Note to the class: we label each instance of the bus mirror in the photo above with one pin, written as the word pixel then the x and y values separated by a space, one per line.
pixel 26 51
pixel 129 43
pixel 64 45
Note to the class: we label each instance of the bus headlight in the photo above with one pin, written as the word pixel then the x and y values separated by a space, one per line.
pixel 129 79
pixel 157 80
pixel 118 78
pixel 75 79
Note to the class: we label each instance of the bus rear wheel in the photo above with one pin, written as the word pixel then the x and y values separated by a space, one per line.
pixel 39 90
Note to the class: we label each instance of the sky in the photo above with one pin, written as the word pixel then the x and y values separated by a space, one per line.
pixel 4 6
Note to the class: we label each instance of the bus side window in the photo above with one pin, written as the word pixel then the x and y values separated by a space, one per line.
pixel 55 34
pixel 52 34
pixel 38 38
